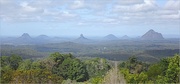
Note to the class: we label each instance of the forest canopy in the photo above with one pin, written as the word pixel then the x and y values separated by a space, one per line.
pixel 65 68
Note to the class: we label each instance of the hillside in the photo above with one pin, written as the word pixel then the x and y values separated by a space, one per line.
pixel 110 37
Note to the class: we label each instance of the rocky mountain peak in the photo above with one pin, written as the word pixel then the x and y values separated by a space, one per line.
pixel 82 36
pixel 25 36
pixel 152 35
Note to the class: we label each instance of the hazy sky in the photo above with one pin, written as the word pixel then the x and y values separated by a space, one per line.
pixel 90 17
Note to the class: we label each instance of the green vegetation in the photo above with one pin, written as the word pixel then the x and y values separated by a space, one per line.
pixel 165 71
pixel 97 67
pixel 16 70
pixel 53 69
pixel 65 68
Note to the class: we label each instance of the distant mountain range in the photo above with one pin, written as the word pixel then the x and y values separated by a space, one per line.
pixel 25 38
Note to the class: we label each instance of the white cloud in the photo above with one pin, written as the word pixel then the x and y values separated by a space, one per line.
pixel 4 1
pixel 174 16
pixel 77 4
pixel 109 20
pixel 166 12
pixel 67 14
pixel 97 11
pixel 27 8
pixel 50 13
pixel 148 5
pixel 126 18
pixel 129 2
pixel 172 5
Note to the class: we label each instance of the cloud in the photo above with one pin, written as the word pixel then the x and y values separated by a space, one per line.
pixel 129 2
pixel 147 5
pixel 26 8
pixel 172 5
pixel 4 1
pixel 90 11
pixel 67 14
pixel 77 4
pixel 166 12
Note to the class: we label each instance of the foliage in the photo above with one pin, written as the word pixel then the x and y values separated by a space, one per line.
pixel 6 74
pixel 165 71
pixel 25 65
pixel 13 61
pixel 54 69
pixel 69 67
pixel 173 71
pixel 134 78
pixel 59 67
pixel 97 67
pixel 35 76
pixel 96 80
pixel 134 65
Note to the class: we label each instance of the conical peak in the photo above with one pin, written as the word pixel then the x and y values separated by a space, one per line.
pixel 81 35
pixel 151 30
pixel 110 35
pixel 152 35
pixel 25 35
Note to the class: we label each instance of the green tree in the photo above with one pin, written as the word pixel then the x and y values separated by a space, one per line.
pixel 69 67
pixel 73 69
pixel 25 65
pixel 6 74
pixel 14 61
pixel 35 76
pixel 97 67
pixel 173 71
pixel 153 71
pixel 4 61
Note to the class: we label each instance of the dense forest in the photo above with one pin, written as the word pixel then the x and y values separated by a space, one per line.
pixel 65 69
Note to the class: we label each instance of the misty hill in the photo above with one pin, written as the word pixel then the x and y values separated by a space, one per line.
pixel 42 37
pixel 25 38
pixel 110 37
pixel 82 39
pixel 125 37
pixel 152 35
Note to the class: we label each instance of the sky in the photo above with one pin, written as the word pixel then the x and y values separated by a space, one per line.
pixel 89 17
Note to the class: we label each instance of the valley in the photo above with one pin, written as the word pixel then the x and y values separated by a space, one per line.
pixel 109 47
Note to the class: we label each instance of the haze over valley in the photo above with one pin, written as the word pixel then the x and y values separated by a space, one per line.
pixel 148 47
